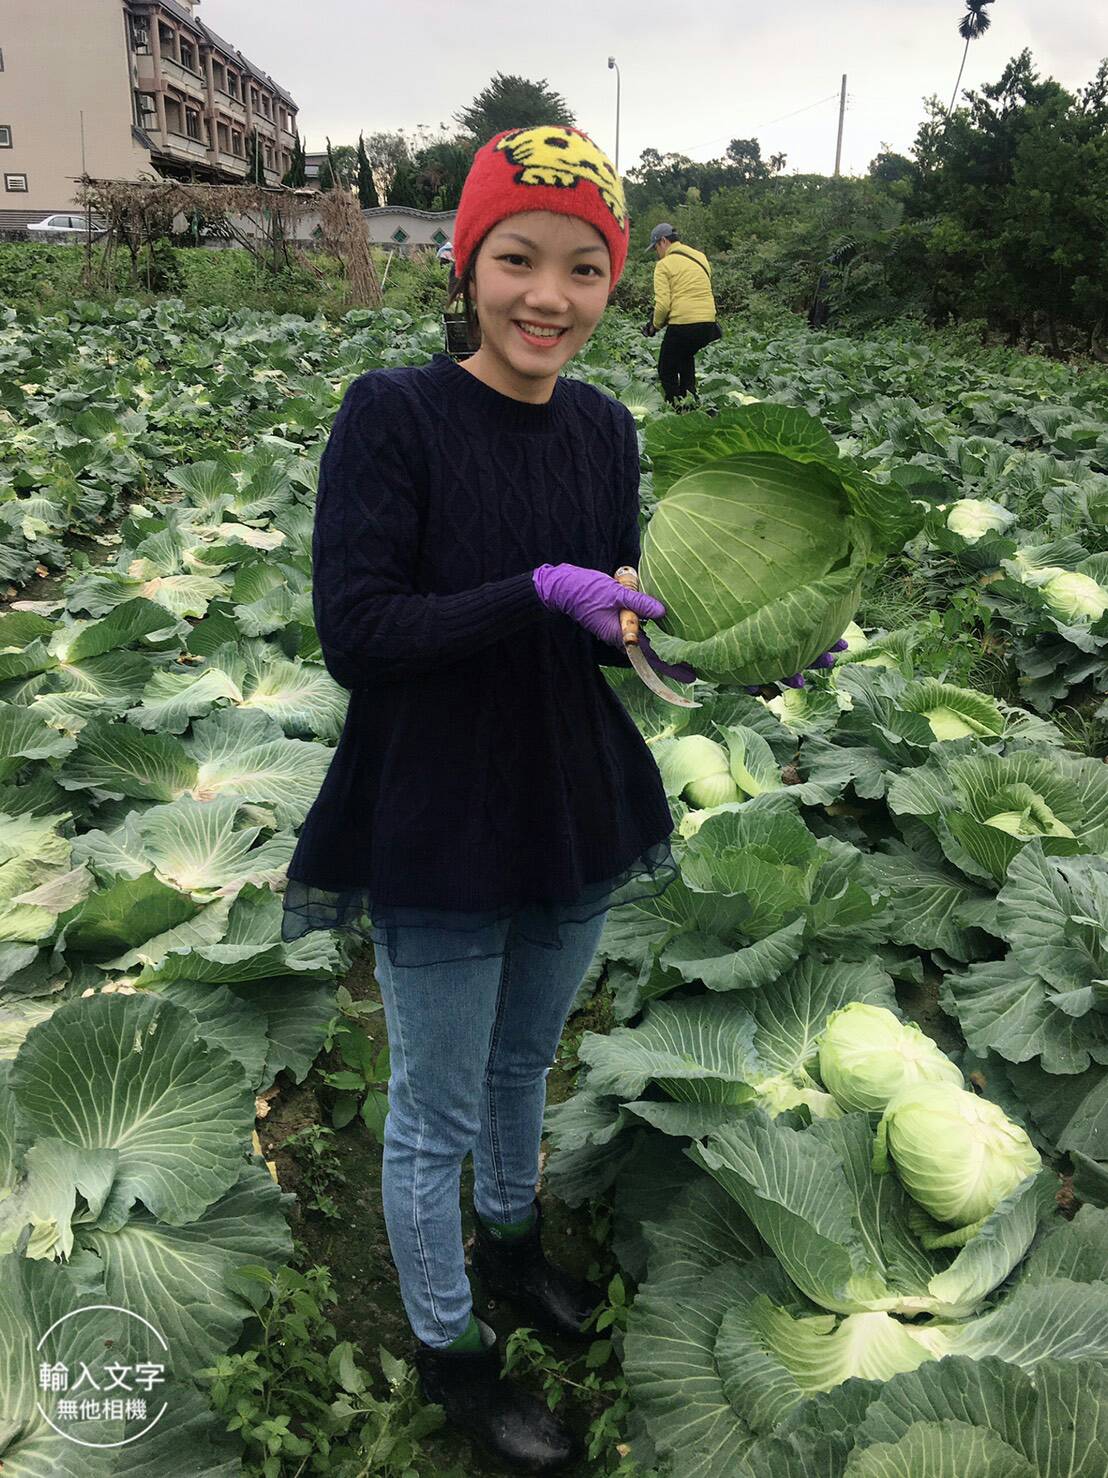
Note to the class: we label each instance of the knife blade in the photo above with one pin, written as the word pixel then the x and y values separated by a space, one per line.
pixel 629 625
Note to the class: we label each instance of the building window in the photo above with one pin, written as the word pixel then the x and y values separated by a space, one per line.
pixel 236 144
pixel 400 236
pixel 140 35
pixel 232 85
pixel 167 38
pixel 188 56
pixel 439 239
pixel 192 124
pixel 5 135
pixel 16 183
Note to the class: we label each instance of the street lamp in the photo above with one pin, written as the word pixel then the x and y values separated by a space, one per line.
pixel 611 66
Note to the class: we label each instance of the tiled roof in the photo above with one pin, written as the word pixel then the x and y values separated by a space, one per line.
pixel 217 40
pixel 205 33
pixel 260 76
pixel 179 13
pixel 409 210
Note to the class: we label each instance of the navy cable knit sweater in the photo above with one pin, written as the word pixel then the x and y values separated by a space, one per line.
pixel 486 766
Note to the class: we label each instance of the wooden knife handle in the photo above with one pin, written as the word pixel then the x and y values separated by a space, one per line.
pixel 628 577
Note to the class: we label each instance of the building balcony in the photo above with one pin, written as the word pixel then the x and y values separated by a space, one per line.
pixel 265 125
pixel 182 147
pixel 146 74
pixel 231 163
pixel 192 82
pixel 230 105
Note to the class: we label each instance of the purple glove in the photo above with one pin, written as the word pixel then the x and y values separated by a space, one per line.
pixel 825 659
pixel 593 599
pixel 681 672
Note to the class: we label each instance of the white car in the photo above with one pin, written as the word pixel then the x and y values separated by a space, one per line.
pixel 67 227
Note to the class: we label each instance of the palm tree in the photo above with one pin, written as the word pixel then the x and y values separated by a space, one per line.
pixel 974 23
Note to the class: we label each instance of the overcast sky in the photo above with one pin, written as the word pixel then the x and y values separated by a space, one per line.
pixel 694 75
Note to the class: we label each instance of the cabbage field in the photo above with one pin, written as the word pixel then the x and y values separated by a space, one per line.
pixel 850 1119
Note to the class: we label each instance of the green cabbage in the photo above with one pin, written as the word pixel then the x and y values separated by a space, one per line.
pixel 951 712
pixel 1025 815
pixel 972 518
pixel 1075 598
pixel 958 1156
pixel 760 540
pixel 866 1056
pixel 698 769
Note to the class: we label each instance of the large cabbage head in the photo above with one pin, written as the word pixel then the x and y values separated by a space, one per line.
pixel 973 518
pixel 957 1155
pixel 1023 813
pixel 1075 598
pixel 866 1056
pixel 760 540
pixel 698 770
pixel 952 712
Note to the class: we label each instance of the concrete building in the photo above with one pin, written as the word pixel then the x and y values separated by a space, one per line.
pixel 122 89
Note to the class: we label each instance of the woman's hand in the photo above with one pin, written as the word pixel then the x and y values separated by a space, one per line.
pixel 825 659
pixel 593 599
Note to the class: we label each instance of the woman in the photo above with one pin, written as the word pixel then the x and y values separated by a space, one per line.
pixel 490 798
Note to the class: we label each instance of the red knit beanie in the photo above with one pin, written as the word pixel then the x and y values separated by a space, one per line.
pixel 552 168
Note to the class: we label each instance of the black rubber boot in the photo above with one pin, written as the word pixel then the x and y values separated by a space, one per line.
pixel 518 1272
pixel 512 1426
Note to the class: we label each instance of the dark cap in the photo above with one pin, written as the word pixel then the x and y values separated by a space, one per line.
pixel 661 232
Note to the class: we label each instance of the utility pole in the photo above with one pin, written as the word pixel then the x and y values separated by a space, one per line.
pixel 613 66
pixel 842 112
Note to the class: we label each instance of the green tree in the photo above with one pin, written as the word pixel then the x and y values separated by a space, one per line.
pixel 296 175
pixel 890 167
pixel 340 168
pixel 973 24
pixel 255 165
pixel 1006 217
pixel 442 168
pixel 385 152
pixel 405 188
pixel 512 102
pixel 745 155
pixel 367 191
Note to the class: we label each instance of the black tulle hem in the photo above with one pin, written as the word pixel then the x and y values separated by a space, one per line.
pixel 416 936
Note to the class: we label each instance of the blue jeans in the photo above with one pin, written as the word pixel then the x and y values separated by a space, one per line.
pixel 470 1045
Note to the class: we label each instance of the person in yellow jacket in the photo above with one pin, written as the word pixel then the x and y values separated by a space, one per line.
pixel 684 307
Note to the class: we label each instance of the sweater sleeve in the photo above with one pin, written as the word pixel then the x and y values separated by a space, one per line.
pixel 663 294
pixel 372 624
pixel 629 542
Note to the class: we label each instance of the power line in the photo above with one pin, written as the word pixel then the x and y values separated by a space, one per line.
pixel 768 122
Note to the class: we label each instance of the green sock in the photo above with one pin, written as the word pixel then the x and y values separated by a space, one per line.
pixel 510 1231
pixel 468 1340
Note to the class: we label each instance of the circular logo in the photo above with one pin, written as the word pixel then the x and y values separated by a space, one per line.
pixel 104 1369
